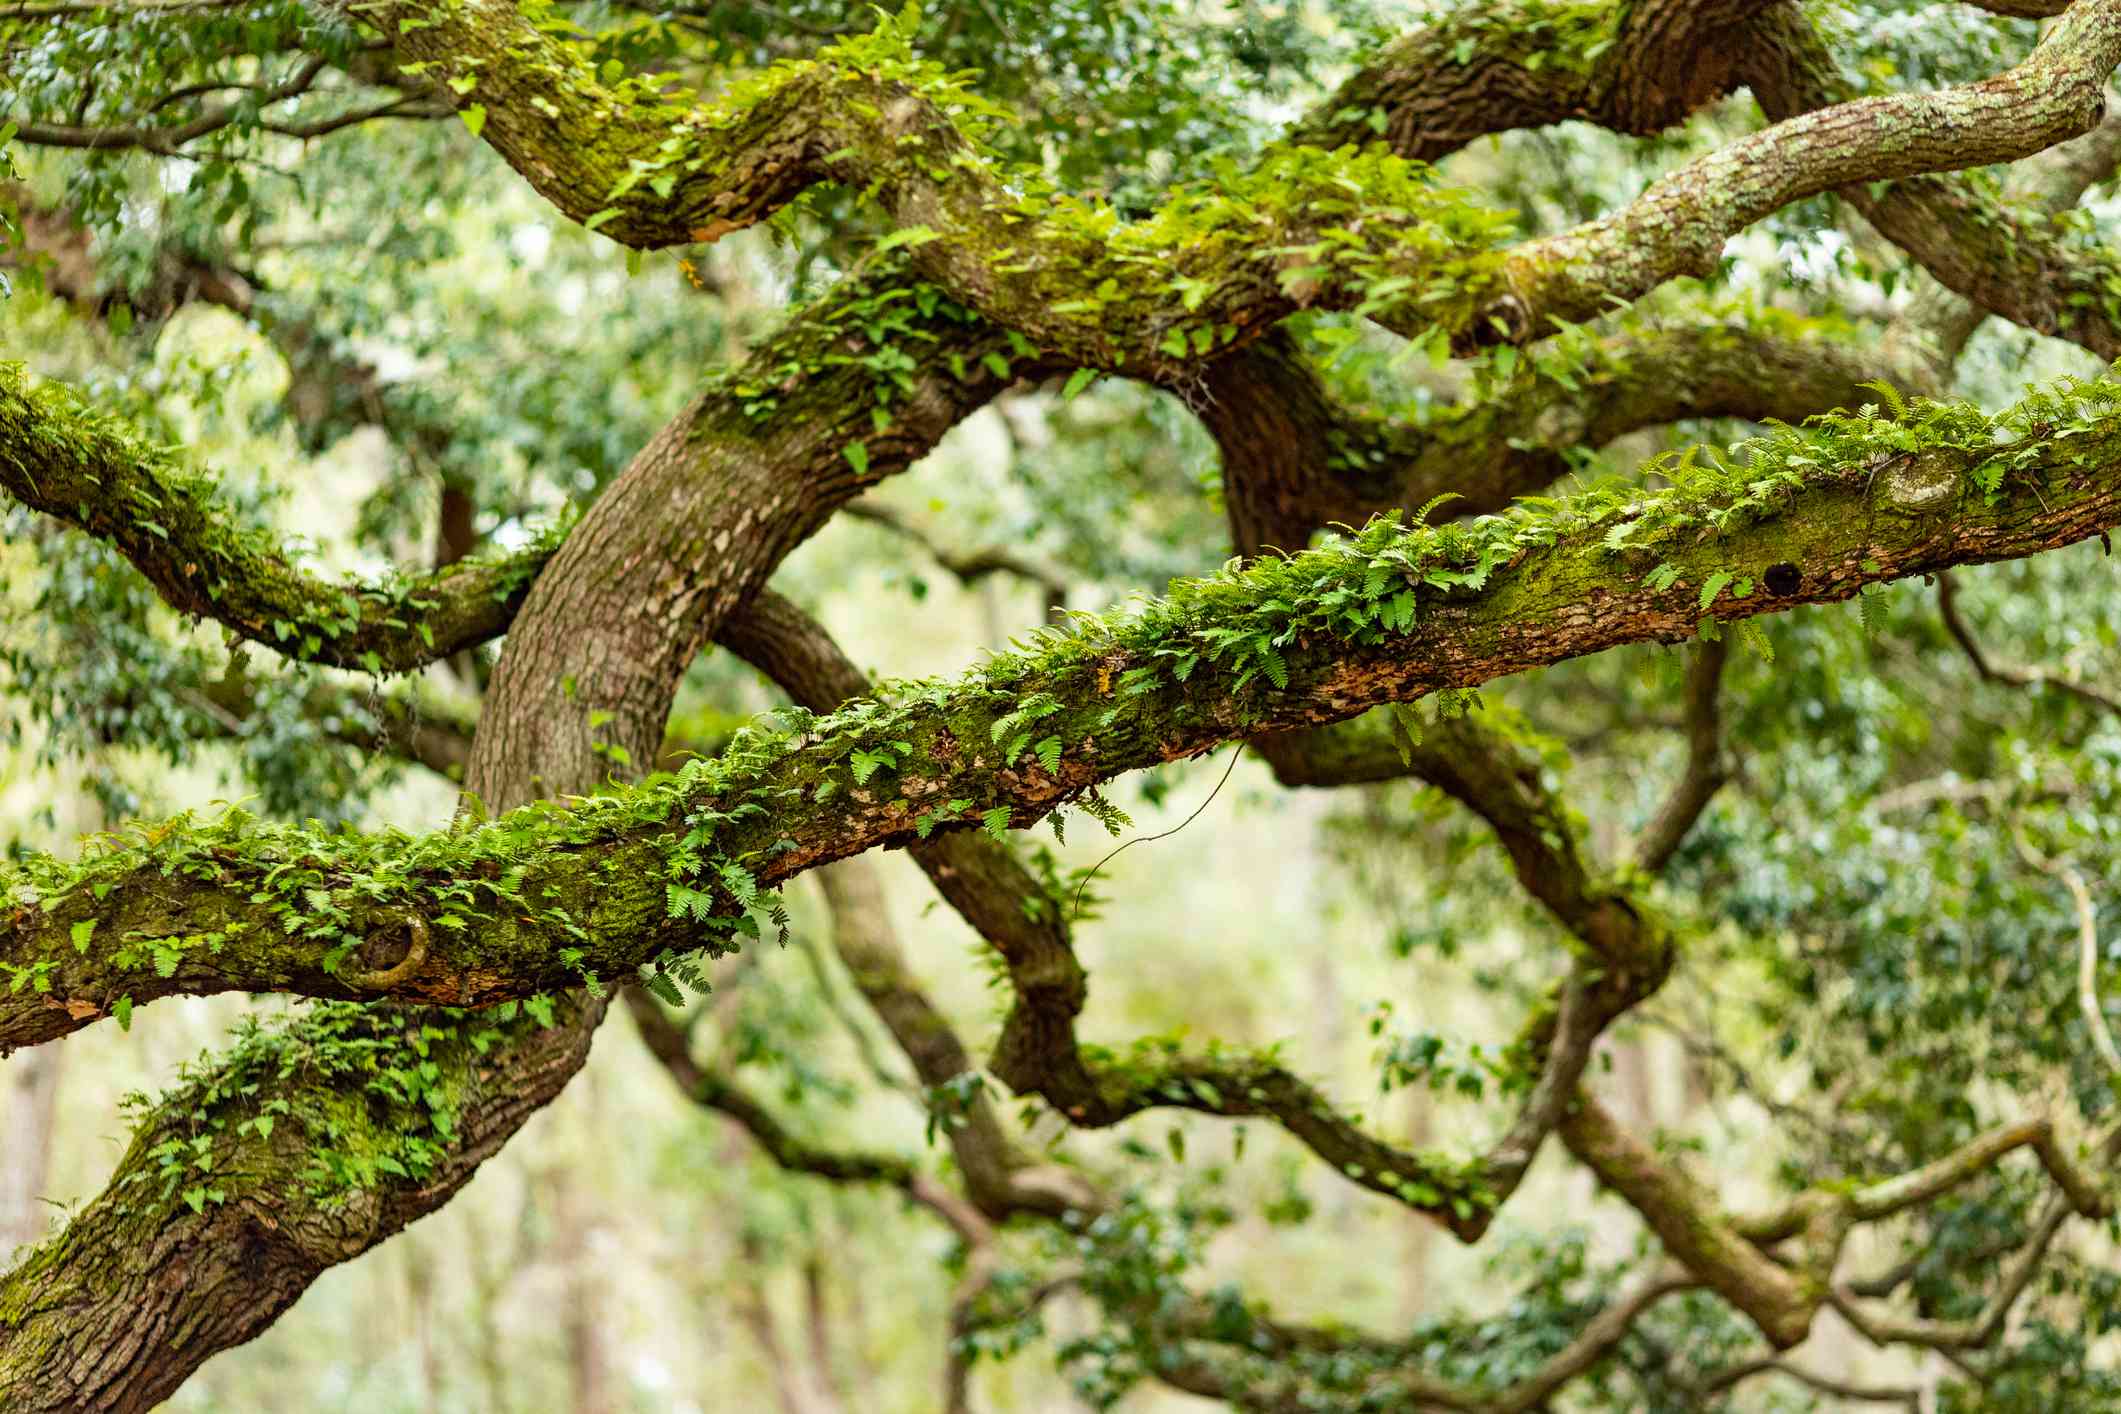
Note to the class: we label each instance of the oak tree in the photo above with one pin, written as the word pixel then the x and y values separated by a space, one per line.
pixel 1489 395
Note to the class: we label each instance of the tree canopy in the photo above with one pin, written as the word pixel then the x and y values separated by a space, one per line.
pixel 1650 463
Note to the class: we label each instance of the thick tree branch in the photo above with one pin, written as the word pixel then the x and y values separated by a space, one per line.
pixel 2007 259
pixel 652 173
pixel 400 1109
pixel 1484 69
pixel 1294 461
pixel 59 456
pixel 1679 225
pixel 2051 183
pixel 1552 590
pixel 1693 1229
pixel 1037 1052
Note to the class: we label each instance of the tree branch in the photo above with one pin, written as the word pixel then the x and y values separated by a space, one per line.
pixel 863 115
pixel 1706 770
pixel 1991 671
pixel 2013 263
pixel 89 470
pixel 670 1045
pixel 1375 630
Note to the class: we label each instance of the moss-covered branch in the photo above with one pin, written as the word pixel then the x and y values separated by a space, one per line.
pixel 1679 225
pixel 1214 267
pixel 1636 68
pixel 544 896
pixel 88 469
pixel 1038 1052
pixel 1296 460
pixel 231 1190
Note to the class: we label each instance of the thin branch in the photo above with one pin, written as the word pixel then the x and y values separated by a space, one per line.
pixel 2088 1003
pixel 1736 1375
pixel 1706 769
pixel 69 9
pixel 1991 671
pixel 966 566
pixel 2080 1194
pixel 666 1041
pixel 166 140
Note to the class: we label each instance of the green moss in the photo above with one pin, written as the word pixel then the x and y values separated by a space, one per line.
pixel 94 472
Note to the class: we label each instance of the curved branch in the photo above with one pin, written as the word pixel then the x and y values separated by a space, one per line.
pixel 1679 225
pixel 2006 259
pixel 1692 1227
pixel 1343 628
pixel 1478 69
pixel 166 139
pixel 87 469
pixel 1394 1388
pixel 1841 1389
pixel 2011 676
pixel 1294 461
pixel 670 1045
pixel 1211 269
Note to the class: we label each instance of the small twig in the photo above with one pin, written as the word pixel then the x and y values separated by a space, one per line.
pixel 2087 949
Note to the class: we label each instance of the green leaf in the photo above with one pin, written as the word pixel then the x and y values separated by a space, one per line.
pixel 122 1009
pixel 1080 379
pixel 857 456
pixel 996 822
pixel 82 932
pixel 1713 587
pixel 908 236
pixel 474 118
